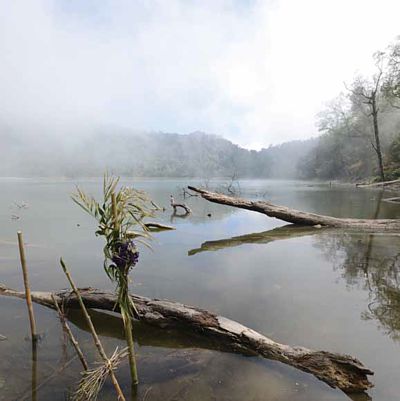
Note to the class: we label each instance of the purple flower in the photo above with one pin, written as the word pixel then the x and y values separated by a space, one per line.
pixel 125 255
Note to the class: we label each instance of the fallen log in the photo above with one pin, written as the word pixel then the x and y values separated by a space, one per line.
pixel 298 217
pixel 337 370
pixel 379 184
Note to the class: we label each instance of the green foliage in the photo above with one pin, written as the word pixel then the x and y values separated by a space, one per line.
pixel 120 218
pixel 118 224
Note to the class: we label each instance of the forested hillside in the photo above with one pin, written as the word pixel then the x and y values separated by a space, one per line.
pixel 144 154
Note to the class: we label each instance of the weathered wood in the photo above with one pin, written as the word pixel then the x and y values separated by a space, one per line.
pixel 379 184
pixel 152 226
pixel 337 370
pixel 27 286
pixel 298 217
pixel 175 205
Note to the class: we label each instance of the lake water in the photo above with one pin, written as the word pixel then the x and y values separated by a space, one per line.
pixel 322 289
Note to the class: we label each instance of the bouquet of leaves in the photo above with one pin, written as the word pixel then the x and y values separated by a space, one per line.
pixel 120 218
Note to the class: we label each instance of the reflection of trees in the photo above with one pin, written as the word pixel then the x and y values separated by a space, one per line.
pixel 372 261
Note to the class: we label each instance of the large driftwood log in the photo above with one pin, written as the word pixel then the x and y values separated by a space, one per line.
pixel 298 217
pixel 337 370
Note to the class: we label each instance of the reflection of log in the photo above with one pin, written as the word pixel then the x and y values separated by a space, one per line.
pixel 337 370
pixel 298 217
pixel 265 237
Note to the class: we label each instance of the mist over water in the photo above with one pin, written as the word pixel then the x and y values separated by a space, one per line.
pixel 328 290
pixel 243 97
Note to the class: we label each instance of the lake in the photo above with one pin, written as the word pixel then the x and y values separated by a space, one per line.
pixel 322 289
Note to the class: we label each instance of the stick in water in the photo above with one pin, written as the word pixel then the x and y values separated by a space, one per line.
pixel 125 315
pixel 96 339
pixel 71 336
pixel 27 287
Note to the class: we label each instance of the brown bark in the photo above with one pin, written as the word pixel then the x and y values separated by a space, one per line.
pixel 337 370
pixel 298 217
pixel 377 146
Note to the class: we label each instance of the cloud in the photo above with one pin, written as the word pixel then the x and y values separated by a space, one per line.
pixel 255 72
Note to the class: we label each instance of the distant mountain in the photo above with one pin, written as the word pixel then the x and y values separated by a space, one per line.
pixel 153 154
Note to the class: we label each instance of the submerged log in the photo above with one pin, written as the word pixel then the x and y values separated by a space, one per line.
pixel 337 370
pixel 298 217
pixel 152 226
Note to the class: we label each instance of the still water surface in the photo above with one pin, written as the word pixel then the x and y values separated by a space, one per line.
pixel 323 289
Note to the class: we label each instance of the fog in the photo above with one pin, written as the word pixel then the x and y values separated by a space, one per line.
pixel 253 72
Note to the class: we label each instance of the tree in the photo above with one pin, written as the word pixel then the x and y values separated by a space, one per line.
pixel 391 84
pixel 365 95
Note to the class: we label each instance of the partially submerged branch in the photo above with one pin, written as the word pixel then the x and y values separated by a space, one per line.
pixel 183 206
pixel 337 370
pixel 298 217
pixel 152 226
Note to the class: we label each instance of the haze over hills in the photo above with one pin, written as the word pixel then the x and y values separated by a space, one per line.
pixel 155 154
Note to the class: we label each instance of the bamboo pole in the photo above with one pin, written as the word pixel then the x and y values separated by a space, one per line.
pixel 125 314
pixel 131 346
pixel 96 338
pixel 71 336
pixel 27 287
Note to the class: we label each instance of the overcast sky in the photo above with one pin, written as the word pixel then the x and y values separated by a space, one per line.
pixel 255 72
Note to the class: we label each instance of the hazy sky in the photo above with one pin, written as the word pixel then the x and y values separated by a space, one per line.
pixel 255 72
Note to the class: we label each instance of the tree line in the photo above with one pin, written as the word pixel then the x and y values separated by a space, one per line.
pixel 360 128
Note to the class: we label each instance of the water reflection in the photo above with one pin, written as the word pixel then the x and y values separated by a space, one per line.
pixel 366 260
pixel 372 262
pixel 265 237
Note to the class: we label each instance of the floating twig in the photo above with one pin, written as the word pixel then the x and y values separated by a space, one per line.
pixel 152 226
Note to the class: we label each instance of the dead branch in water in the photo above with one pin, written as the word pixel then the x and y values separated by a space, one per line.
pixel 337 370
pixel 298 217
pixel 181 205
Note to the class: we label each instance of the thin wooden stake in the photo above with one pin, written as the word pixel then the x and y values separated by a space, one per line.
pixel 126 316
pixel 96 338
pixel 70 334
pixel 27 287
